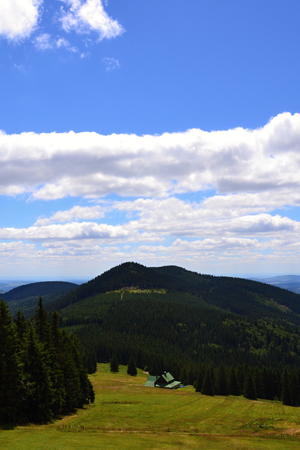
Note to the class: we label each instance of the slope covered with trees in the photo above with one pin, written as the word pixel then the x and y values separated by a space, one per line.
pixel 42 375
pixel 24 298
pixel 172 318
pixel 244 297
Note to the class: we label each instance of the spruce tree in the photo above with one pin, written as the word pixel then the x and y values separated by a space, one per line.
pixel 221 384
pixel 233 385
pixel 208 383
pixel 286 389
pixel 21 325
pixel 11 379
pixel 41 322
pixel 37 381
pixel 268 384
pixel 131 368
pixel 249 387
pixel 114 364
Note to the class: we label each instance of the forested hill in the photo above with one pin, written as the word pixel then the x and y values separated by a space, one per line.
pixel 240 296
pixel 24 298
pixel 38 289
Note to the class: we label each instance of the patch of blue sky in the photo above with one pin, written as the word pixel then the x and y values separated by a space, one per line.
pixel 117 217
pixel 292 212
pixel 21 212
pixel 198 196
pixel 210 64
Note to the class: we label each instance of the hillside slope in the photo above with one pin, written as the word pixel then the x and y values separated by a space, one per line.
pixel 290 282
pixel 172 314
pixel 24 298
pixel 241 296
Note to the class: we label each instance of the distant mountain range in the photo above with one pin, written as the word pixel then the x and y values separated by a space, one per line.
pixel 24 298
pixel 290 282
pixel 7 285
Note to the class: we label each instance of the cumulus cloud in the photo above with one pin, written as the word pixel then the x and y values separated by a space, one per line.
pixel 174 217
pixel 84 16
pixel 88 164
pixel 75 213
pixel 253 174
pixel 73 230
pixel 18 18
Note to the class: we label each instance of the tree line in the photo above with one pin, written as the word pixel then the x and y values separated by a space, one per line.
pixel 42 374
pixel 250 381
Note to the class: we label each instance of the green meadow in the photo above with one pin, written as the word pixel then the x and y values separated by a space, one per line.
pixel 127 415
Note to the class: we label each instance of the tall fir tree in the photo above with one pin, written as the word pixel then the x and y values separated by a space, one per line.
pixel 233 384
pixel 114 364
pixel 37 381
pixel 249 386
pixel 208 383
pixel 11 377
pixel 131 368
pixel 221 382
pixel 286 389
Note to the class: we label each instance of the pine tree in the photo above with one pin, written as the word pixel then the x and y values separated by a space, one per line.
pixel 10 370
pixel 268 384
pixel 286 391
pixel 21 325
pixel 131 368
pixel 208 383
pixel 233 385
pixel 37 381
pixel 258 379
pixel 221 384
pixel 249 387
pixel 58 398
pixel 41 322
pixel 41 370
pixel 114 364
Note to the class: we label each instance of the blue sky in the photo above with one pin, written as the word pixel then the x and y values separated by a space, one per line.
pixel 112 146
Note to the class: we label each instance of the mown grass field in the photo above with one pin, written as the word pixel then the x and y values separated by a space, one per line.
pixel 127 415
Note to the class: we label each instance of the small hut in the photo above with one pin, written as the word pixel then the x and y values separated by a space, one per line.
pixel 164 380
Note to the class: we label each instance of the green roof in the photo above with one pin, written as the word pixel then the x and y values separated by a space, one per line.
pixel 168 377
pixel 175 384
pixel 150 381
pixel 170 382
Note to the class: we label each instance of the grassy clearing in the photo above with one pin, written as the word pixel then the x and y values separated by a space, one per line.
pixel 128 415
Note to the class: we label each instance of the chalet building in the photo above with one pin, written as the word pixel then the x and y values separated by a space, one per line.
pixel 165 380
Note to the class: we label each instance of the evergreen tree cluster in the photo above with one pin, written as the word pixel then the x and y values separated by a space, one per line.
pixel 42 375
pixel 251 382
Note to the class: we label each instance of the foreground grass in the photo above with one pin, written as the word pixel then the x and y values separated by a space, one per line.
pixel 127 415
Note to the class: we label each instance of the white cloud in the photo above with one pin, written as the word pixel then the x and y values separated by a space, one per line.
pixel 237 161
pixel 90 15
pixel 75 213
pixel 18 18
pixel 254 174
pixel 73 230
pixel 45 41
pixel 174 217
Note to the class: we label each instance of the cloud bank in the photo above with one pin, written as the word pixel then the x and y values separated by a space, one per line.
pixel 57 165
pixel 244 182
